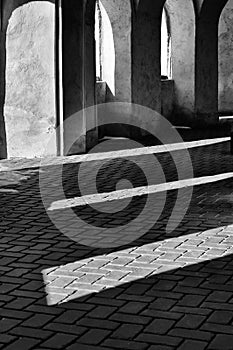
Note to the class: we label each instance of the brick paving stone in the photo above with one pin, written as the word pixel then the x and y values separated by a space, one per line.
pixel 6 288
pixel 20 303
pixel 160 347
pixel 164 294
pixel 86 347
pixel 191 321
pixel 70 316
pixel 15 314
pixel 59 341
pixel 219 296
pixel 223 317
pixel 138 298
pixel 78 305
pixel 38 321
pixel 124 344
pixel 127 331
pixel 62 281
pixel 23 344
pixel 192 290
pixel 141 320
pixel 193 345
pixel 39 309
pixel 165 285
pixel 191 281
pixel 162 304
pixel 222 341
pixel 191 310
pixel 217 328
pixel 18 272
pixel 191 334
pixel 65 328
pixel 133 307
pixel 191 300
pixel 161 314
pixel 32 286
pixel 159 326
pixel 218 306
pixel 6 339
pixel 159 339
pixel 94 336
pixel 7 323
pixel 101 312
pixel 30 332
pixel 97 323
pixel 101 300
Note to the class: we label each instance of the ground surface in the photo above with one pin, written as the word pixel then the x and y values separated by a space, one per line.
pixel 162 291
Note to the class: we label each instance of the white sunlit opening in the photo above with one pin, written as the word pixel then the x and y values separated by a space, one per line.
pixel 105 49
pixel 166 60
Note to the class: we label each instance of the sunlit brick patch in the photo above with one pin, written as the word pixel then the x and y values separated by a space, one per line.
pixel 92 275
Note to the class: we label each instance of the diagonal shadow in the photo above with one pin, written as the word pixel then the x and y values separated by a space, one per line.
pixel 182 299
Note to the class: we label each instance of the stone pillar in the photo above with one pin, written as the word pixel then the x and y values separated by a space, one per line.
pixel 27 77
pixel 7 8
pixel 206 81
pixel 182 28
pixel 3 144
pixel 89 62
pixel 78 52
pixel 146 73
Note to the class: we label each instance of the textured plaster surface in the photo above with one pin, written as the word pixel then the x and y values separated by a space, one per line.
pixel 146 61
pixel 30 82
pixel 182 25
pixel 225 58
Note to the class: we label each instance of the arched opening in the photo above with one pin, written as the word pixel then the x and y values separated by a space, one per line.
pixel 225 54
pixel 105 50
pixel 166 58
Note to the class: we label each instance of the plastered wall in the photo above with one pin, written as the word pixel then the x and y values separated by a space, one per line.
pixel 225 51
pixel 29 109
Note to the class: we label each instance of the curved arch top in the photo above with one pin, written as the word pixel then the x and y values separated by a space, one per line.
pixel 206 79
pixel 150 7
pixel 210 9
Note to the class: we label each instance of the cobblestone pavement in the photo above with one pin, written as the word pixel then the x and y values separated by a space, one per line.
pixel 162 291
